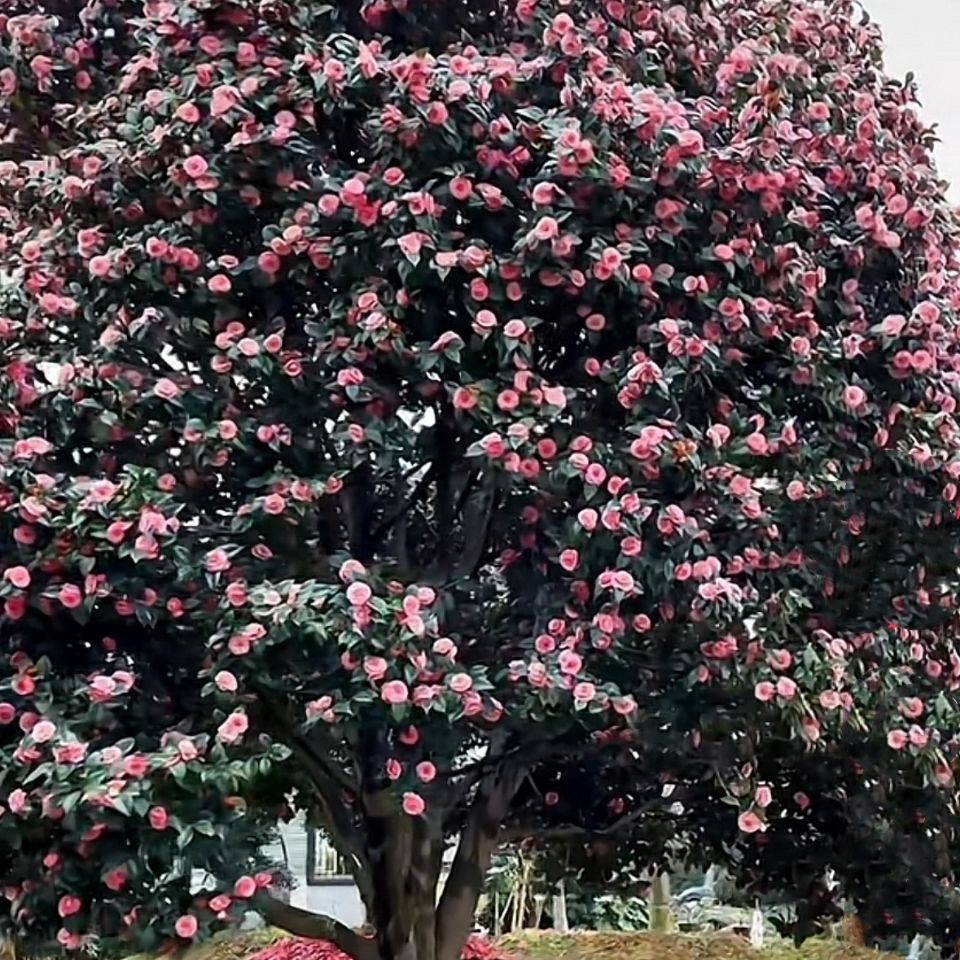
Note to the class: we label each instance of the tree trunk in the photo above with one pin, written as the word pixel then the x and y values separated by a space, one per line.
pixel 397 861
pixel 421 944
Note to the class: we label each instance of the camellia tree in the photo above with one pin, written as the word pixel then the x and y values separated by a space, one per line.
pixel 411 406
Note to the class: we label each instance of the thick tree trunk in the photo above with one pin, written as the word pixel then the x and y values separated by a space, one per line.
pixel 397 861
pixel 405 927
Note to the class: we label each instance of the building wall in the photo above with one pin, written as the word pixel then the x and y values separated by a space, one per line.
pixel 336 896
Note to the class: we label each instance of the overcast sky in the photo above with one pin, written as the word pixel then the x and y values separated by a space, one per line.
pixel 923 36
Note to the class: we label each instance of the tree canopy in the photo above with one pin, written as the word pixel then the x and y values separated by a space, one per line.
pixel 468 418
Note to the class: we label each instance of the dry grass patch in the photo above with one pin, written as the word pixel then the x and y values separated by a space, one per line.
pixel 548 945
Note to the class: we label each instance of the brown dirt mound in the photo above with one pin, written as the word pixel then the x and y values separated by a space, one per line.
pixel 546 945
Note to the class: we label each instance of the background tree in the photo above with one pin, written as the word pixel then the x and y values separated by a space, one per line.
pixel 409 404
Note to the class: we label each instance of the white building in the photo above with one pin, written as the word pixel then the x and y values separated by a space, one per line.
pixel 322 885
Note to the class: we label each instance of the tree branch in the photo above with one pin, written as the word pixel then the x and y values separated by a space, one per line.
pixel 569 832
pixel 329 783
pixel 295 738
pixel 314 926
pixel 477 515
pixel 401 511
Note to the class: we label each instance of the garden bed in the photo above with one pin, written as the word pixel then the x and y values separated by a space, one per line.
pixel 548 945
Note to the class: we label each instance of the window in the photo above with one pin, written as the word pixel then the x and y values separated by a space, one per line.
pixel 324 864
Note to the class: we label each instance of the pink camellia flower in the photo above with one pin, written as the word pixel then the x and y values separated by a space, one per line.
pixel 269 262
pixel 43 732
pixel 226 681
pixel 159 818
pixel 912 708
pixel 70 753
pixel 239 645
pixel 100 266
pixel 780 659
pixel 544 644
pixel 359 593
pixel 394 769
pixel 624 705
pixel 584 692
pixel 18 576
pixel 444 647
pixel 569 559
pixel 136 766
pixel 749 822
pixel 426 771
pixel 245 888
pixel 17 801
pixel 461 188
pixel 219 283
pixel 69 906
pixel 70 596
pixel 186 927
pixel 67 939
pixel 570 662
pixel 786 688
pixel 893 325
pixel 375 668
pixel 896 739
pixel 918 736
pixel 220 903
pixel 830 699
pixel 233 728
pixel 854 397
pixel 796 489
pixel 763 796
pixel 236 593
pixel 464 398
pixel 117 531
pixel 227 429
pixel 166 389
pixel 409 737
pixel 413 804
pixel 217 561
pixel 546 228
pixel 801 800
pixel 116 879
pixel 195 166
pixel 461 682
pixel 394 691
pixel 764 691
pixel 544 193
